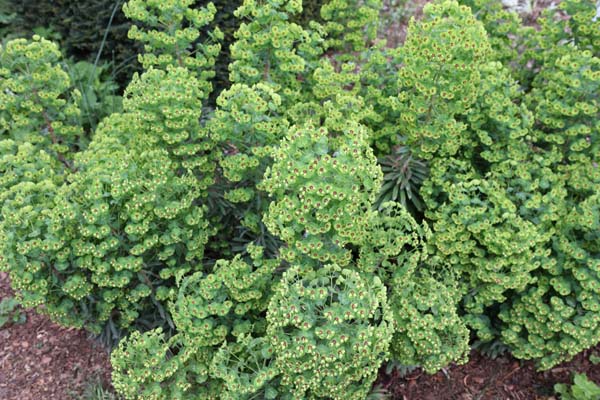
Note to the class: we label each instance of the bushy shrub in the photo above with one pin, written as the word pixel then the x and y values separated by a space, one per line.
pixel 119 222
pixel 254 244
pixel 557 318
pixel 534 154
pixel 321 180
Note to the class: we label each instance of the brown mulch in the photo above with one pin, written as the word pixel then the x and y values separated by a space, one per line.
pixel 40 360
pixel 504 378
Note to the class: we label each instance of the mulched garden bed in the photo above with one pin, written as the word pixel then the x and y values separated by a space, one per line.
pixel 486 379
pixel 41 360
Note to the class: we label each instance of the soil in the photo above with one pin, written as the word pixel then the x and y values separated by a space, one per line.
pixel 40 360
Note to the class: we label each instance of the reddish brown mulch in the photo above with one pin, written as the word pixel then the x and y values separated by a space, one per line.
pixel 484 379
pixel 40 360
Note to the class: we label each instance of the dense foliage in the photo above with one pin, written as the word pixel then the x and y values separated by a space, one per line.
pixel 98 29
pixel 344 204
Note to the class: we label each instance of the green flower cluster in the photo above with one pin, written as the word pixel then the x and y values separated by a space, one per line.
pixel 349 24
pixel 424 296
pixel 323 188
pixel 270 60
pixel 221 349
pixel 440 77
pixel 558 316
pixel 329 330
pixel 37 103
pixel 514 210
pixel 429 333
pixel 108 239
pixel 246 126
pixel 163 110
pixel 99 237
pixel 272 50
pixel 174 43
pixel 505 30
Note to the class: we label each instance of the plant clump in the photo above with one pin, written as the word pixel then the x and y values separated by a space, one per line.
pixel 339 206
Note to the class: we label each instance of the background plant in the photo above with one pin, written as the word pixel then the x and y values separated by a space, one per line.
pixel 122 220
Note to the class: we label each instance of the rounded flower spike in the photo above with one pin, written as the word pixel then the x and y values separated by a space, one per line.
pixel 330 330
pixel 560 315
pixel 504 27
pixel 248 125
pixel 272 50
pixel 557 317
pixel 37 104
pixel 440 77
pixel 173 29
pixel 565 102
pixel 30 188
pixel 221 350
pixel 322 189
pixel 350 25
pixel 582 28
pixel 247 369
pixel 482 236
pixel 163 109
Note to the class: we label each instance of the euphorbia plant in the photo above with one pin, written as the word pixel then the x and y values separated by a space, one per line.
pixel 104 233
pixel 328 324
pixel 248 241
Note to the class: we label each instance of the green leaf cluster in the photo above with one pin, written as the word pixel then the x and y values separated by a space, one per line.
pixel 10 312
pixel 582 389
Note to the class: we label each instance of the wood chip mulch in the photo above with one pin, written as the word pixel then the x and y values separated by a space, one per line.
pixel 503 378
pixel 40 360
